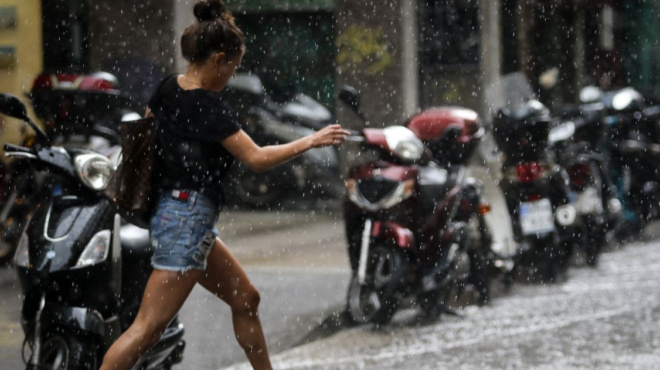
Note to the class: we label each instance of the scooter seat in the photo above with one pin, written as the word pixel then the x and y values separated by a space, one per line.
pixel 135 241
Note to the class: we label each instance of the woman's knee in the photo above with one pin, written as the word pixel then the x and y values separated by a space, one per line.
pixel 247 300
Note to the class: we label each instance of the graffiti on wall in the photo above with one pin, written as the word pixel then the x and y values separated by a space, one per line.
pixel 363 49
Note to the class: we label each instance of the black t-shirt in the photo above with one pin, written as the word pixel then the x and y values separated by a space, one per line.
pixel 191 125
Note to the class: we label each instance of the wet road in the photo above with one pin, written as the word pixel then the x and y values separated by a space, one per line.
pixel 604 318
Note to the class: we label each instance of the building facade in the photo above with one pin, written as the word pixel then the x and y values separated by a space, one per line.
pixel 404 55
pixel 20 54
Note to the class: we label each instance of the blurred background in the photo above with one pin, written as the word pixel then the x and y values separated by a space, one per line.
pixel 407 54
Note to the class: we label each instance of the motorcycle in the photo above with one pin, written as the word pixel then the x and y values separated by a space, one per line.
pixel 535 188
pixel 82 272
pixel 633 144
pixel 576 142
pixel 77 110
pixel 415 228
pixel 314 174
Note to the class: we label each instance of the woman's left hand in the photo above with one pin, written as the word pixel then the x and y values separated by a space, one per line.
pixel 329 135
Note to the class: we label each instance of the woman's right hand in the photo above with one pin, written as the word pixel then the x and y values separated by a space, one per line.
pixel 329 135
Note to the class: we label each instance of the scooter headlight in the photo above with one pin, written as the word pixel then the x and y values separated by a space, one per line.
pixel 403 142
pixel 22 256
pixel 94 170
pixel 96 250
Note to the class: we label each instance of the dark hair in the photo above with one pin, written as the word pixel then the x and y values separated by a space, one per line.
pixel 215 32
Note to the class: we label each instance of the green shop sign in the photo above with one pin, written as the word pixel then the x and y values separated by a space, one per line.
pixel 280 5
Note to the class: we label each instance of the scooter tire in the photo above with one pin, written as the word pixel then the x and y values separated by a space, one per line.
pixel 549 271
pixel 480 276
pixel 594 243
pixel 432 304
pixel 360 298
pixel 66 352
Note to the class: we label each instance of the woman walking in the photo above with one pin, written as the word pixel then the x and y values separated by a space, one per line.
pixel 198 140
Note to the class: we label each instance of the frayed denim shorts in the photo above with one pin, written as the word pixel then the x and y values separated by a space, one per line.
pixel 183 230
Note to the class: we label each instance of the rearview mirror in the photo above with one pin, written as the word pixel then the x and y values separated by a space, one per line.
pixel 350 96
pixel 11 106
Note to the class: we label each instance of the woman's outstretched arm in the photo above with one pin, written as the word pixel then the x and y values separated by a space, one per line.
pixel 259 159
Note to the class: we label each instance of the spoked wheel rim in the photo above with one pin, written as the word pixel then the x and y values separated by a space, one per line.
pixel 368 300
pixel 55 354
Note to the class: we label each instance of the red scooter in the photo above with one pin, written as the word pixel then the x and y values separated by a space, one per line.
pixel 414 222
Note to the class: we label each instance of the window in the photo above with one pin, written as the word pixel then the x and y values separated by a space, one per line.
pixel 65 35
pixel 450 32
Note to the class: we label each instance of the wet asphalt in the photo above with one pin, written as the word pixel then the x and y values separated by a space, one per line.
pixel 603 318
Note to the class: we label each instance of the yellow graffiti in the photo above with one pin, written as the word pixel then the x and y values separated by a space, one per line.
pixel 361 48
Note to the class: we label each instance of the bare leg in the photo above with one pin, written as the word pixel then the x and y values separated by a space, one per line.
pixel 163 297
pixel 225 278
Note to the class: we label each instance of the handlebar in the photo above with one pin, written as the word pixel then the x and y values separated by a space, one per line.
pixel 356 136
pixel 16 148
pixel 12 150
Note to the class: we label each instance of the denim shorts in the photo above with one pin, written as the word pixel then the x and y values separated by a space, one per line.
pixel 183 231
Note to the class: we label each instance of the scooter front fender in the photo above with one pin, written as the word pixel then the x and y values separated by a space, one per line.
pixel 402 236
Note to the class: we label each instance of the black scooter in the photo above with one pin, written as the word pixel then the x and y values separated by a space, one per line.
pixel 535 189
pixel 577 142
pixel 77 110
pixel 82 273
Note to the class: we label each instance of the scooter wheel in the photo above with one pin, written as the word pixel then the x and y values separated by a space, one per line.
pixel 434 303
pixel 375 300
pixel 67 352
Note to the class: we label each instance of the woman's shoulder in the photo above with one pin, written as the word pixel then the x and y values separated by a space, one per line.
pixel 169 83
pixel 164 88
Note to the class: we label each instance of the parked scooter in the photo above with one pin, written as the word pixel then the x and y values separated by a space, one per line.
pixel 633 146
pixel 576 142
pixel 315 174
pixel 77 110
pixel 414 228
pixel 535 188
pixel 82 274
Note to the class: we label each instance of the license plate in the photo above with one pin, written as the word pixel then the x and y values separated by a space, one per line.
pixel 536 217
pixel 588 202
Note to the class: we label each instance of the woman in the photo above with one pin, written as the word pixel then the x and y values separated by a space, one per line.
pixel 198 141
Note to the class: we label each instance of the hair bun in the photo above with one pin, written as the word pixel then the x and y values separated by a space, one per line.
pixel 209 10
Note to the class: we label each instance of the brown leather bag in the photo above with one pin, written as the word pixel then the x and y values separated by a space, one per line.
pixel 130 188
